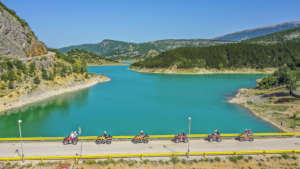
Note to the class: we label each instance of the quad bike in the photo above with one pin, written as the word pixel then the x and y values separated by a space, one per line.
pixel 246 136
pixel 104 140
pixel 70 140
pixel 140 139
pixel 180 138
pixel 214 137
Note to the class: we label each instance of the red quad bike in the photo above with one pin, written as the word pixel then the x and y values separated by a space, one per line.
pixel 214 137
pixel 180 138
pixel 69 140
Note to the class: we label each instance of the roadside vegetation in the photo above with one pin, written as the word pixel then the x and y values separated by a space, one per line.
pixel 247 162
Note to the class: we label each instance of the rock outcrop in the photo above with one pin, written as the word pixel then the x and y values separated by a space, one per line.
pixel 16 38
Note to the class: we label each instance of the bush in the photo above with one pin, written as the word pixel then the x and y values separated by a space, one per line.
pixel 233 159
pixel 37 80
pixel 217 159
pixel 44 74
pixel 91 162
pixel 285 156
pixel 145 161
pixel 174 160
pixel 11 85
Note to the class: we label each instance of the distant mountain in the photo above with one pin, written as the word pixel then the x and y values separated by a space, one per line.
pixel 256 32
pixel 278 37
pixel 125 50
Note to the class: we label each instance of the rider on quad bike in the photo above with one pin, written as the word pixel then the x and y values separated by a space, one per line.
pixel 180 138
pixel 140 138
pixel 246 136
pixel 216 136
pixel 71 139
pixel 105 139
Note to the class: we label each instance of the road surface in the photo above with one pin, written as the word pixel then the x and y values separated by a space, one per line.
pixel 158 146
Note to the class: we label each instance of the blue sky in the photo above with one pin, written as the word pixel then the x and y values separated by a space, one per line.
pixel 60 23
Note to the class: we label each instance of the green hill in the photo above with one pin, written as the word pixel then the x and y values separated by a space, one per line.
pixel 90 58
pixel 124 50
pixel 238 55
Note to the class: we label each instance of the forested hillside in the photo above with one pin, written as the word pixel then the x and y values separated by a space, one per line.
pixel 88 57
pixel 239 55
pixel 118 50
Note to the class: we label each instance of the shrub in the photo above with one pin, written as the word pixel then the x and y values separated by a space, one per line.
pixel 145 161
pixel 285 156
pixel 91 162
pixel 233 159
pixel 100 162
pixel 174 160
pixel 106 162
pixel 217 159
pixel 294 157
pixel 37 80
pixel 11 85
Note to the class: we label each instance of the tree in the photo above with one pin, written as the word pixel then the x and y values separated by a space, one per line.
pixel 11 85
pixel 76 67
pixel 12 75
pixel 32 68
pixel 37 80
pixel 44 74
pixel 291 82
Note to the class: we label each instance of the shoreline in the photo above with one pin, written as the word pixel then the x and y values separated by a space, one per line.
pixel 34 97
pixel 202 71
pixel 109 64
pixel 242 101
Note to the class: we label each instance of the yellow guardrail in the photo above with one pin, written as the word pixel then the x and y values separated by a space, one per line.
pixel 151 136
pixel 109 156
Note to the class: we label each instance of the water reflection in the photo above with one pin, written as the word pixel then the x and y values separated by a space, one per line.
pixel 40 112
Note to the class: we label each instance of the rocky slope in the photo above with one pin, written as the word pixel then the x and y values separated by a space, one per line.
pixel 29 72
pixel 278 37
pixel 256 32
pixel 16 37
pixel 124 50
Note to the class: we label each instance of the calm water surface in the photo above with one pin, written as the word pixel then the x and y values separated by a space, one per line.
pixel 131 101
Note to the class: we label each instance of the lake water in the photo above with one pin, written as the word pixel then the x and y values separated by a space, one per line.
pixel 132 101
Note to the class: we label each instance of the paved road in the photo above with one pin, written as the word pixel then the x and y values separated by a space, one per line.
pixel 163 146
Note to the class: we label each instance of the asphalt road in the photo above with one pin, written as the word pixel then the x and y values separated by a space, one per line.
pixel 158 146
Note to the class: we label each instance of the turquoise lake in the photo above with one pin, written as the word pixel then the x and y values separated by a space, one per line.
pixel 132 101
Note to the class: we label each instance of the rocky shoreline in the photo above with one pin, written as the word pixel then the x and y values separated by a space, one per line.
pixel 45 91
pixel 264 106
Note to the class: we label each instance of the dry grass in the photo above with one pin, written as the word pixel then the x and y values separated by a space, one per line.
pixel 273 105
pixel 234 162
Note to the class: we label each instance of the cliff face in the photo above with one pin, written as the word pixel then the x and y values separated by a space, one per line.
pixel 16 38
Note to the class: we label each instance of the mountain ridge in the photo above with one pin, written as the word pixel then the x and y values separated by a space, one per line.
pixel 258 31
pixel 115 49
